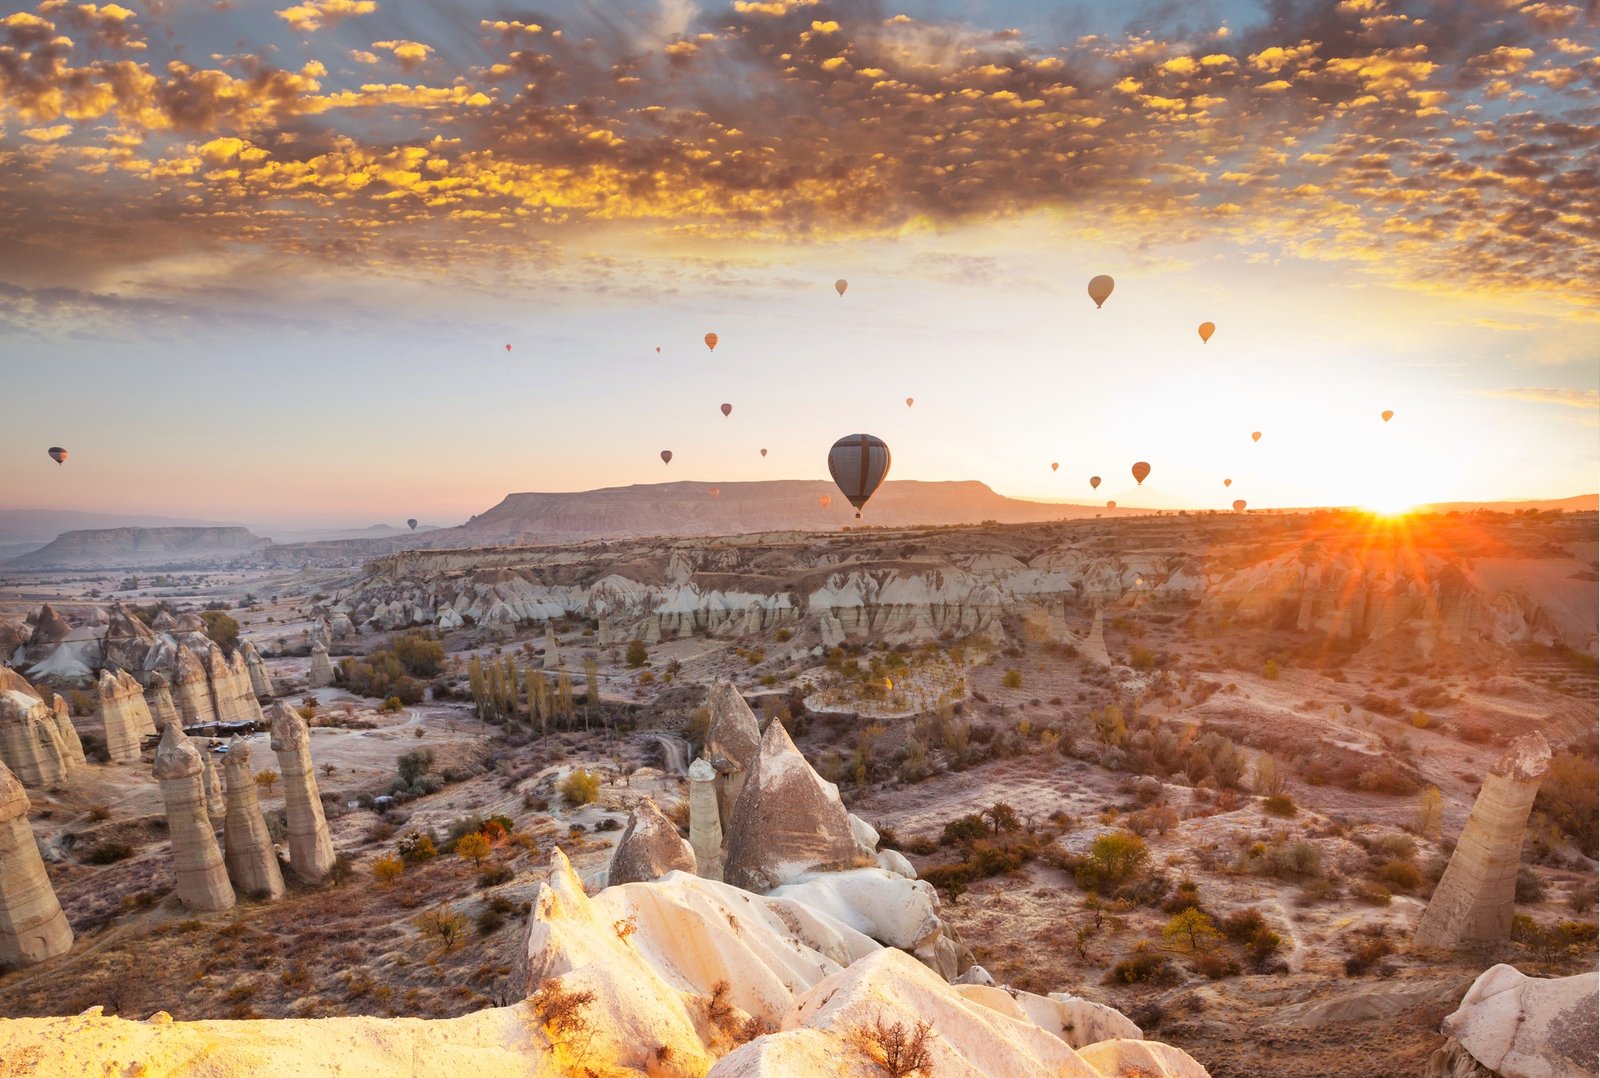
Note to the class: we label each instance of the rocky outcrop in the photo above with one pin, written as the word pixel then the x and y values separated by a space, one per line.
pixel 705 819
pixel 247 846
pixel 216 804
pixel 321 673
pixel 67 731
pixel 650 848
pixel 191 690
pixel 231 693
pixel 128 641
pixel 310 847
pixel 1523 1027
pixel 159 700
pixel 260 680
pixel 1475 899
pixel 733 738
pixel 124 715
pixel 788 820
pixel 552 651
pixel 32 926
pixel 32 743
pixel 202 876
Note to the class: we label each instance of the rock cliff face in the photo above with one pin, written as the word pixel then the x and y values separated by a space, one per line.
pixel 37 743
pixel 133 548
pixel 650 848
pixel 124 715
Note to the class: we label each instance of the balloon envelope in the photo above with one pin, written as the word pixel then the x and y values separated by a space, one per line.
pixel 711 341
pixel 58 454
pixel 1387 415
pixel 1111 505
pixel 1055 466
pixel 1094 482
pixel 763 452
pixel 658 349
pixel 840 285
pixel 1227 482
pixel 1100 288
pixel 412 523
pixel 1206 330
pixel 825 501
pixel 727 409
pixel 1238 505
pixel 666 456
pixel 1255 436
pixel 1140 471
pixel 910 401
pixel 858 464
pixel 716 492
pixel 508 348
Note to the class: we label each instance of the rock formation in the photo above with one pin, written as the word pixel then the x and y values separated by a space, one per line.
pixel 787 821
pixel 159 700
pixel 216 804
pixel 251 860
pixel 705 819
pixel 650 847
pixel 733 738
pixel 124 715
pixel 321 669
pixel 192 690
pixel 1475 899
pixel 202 876
pixel 260 680
pixel 32 743
pixel 1093 647
pixel 67 731
pixel 310 848
pixel 231 693
pixel 552 651
pixel 32 926
pixel 128 641
pixel 1509 1024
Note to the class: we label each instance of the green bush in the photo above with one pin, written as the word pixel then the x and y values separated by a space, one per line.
pixel 421 655
pixel 637 655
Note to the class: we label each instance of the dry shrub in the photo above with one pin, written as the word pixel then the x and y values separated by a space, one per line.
pixel 899 1050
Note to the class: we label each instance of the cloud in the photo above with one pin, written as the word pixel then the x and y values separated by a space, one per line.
pixel 409 53
pixel 315 14
pixel 1572 398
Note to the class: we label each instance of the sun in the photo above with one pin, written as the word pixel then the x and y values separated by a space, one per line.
pixel 1388 506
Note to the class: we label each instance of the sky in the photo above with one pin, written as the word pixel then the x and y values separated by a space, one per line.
pixel 262 262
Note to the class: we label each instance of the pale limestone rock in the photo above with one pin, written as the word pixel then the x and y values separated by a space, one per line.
pixel 202 876
pixel 32 926
pixel 832 631
pixel 1526 1027
pixel 787 821
pixel 310 847
pixel 733 738
pixel 124 715
pixel 552 651
pixel 231 694
pixel 321 669
pixel 605 635
pixel 650 848
pixel 128 641
pixel 705 819
pixel 652 629
pixel 244 689
pixel 31 744
pixel 191 690
pixel 260 680
pixel 1475 899
pixel 159 700
pixel 66 729
pixel 1093 647
pixel 252 862
pixel 449 619
pixel 216 805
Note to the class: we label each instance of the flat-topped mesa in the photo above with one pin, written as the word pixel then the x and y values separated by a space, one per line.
pixel 310 849
pixel 202 875
pixel 128 641
pixel 31 742
pixel 788 820
pixel 705 820
pixel 321 673
pixel 32 926
pixel 124 715
pixel 260 680
pixel 247 845
pixel 191 690
pixel 650 847
pixel 158 698
pixel 733 739
pixel 1475 899
pixel 68 732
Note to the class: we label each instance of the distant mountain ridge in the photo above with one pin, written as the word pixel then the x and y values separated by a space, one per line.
pixel 135 548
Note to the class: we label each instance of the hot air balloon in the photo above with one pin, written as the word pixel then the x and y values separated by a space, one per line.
pixel 716 492
pixel 1054 466
pixel 1387 415
pixel 1111 505
pixel 910 401
pixel 508 348
pixel 1094 482
pixel 1255 436
pixel 1227 482
pixel 858 463
pixel 711 341
pixel 658 349
pixel 727 409
pixel 666 456
pixel 1141 470
pixel 840 285
pixel 825 501
pixel 1206 330
pixel 412 523
pixel 58 454
pixel 763 452
pixel 1100 289
pixel 1238 505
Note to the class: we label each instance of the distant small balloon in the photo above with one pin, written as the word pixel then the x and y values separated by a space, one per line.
pixel 1206 330
pixel 412 523
pixel 840 285
pixel 508 348
pixel 1111 505
pixel 1055 466
pixel 824 501
pixel 666 456
pixel 763 452
pixel 1141 471
pixel 1227 482
pixel 658 349
pixel 1238 505
pixel 1094 482
pixel 1255 436
pixel 711 341
pixel 1387 415
pixel 910 401
pixel 1100 289
pixel 727 409
pixel 716 492
pixel 58 454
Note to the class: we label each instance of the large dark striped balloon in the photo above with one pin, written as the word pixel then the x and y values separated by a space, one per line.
pixel 858 464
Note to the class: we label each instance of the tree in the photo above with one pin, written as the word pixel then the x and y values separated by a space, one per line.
pixel 222 629
pixel 473 847
pixel 564 697
pixel 581 787
pixel 267 780
pixel 1191 929
pixel 1109 726
pixel 444 925
pixel 478 684
pixel 388 868
pixel 637 655
pixel 414 764
pixel 1112 858
pixel 1269 780
pixel 591 688
pixel 1430 813
pixel 419 654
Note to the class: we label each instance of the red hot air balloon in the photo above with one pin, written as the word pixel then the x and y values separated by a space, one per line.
pixel 1206 330
pixel 658 349
pixel 711 341
pixel 1055 467
pixel 727 409
pixel 1111 505
pixel 666 456
pixel 910 401
pixel 57 454
pixel 1227 482
pixel 1141 472
pixel 763 452
pixel 508 348
pixel 824 501
pixel 1238 505
pixel 858 464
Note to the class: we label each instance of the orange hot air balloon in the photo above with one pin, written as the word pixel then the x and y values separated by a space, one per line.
pixel 57 454
pixel 1387 415
pixel 666 456
pixel 910 401
pixel 1238 505
pixel 1255 436
pixel 1227 482
pixel 1094 482
pixel 1111 505
pixel 711 341
pixel 1100 289
pixel 1055 466
pixel 840 285
pixel 763 452
pixel 727 409
pixel 1141 471
pixel 1206 330
pixel 824 501
pixel 716 492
